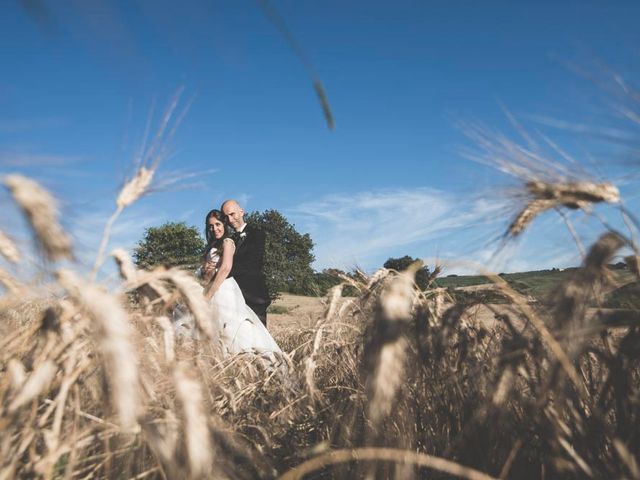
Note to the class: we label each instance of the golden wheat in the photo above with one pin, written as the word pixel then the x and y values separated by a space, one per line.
pixel 8 248
pixel 41 211
pixel 196 430
pixel 113 333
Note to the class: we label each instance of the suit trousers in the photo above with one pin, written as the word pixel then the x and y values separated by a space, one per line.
pixel 260 310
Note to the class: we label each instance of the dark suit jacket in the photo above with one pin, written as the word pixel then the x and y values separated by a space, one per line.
pixel 248 267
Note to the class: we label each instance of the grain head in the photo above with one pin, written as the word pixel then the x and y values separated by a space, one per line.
pixel 41 210
pixel 135 188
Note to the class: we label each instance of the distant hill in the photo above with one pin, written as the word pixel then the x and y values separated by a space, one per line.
pixel 539 283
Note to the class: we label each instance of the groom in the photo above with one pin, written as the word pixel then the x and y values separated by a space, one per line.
pixel 248 260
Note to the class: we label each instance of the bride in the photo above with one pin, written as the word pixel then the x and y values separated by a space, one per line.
pixel 241 329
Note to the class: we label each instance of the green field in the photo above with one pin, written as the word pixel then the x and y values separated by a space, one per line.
pixel 456 281
pixel 538 284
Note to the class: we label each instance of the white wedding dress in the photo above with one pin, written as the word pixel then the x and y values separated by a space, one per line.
pixel 239 328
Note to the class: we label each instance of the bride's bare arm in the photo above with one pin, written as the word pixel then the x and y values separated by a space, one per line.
pixel 226 262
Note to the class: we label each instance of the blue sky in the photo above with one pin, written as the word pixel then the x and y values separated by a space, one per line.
pixel 81 79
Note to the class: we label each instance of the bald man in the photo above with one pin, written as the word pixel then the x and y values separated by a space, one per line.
pixel 248 260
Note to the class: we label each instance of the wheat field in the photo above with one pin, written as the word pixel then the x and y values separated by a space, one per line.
pixel 395 383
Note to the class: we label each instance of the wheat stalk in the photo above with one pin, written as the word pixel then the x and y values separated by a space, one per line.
pixel 10 283
pixel 385 350
pixel 113 333
pixel 199 447
pixel 127 269
pixel 384 454
pixel 573 195
pixel 169 338
pixel 140 183
pixel 34 385
pixel 573 297
pixel 130 192
pixel 41 211
pixel 8 249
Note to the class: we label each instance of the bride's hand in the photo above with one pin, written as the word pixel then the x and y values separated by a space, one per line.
pixel 208 269
pixel 207 293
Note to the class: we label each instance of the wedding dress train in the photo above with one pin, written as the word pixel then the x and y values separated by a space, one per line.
pixel 240 328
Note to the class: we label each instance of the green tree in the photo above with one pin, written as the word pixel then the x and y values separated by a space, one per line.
pixel 171 245
pixel 402 263
pixel 288 254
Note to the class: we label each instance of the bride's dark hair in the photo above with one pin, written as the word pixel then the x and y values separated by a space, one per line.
pixel 212 241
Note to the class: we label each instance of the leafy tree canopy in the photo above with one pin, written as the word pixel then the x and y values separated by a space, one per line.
pixel 288 254
pixel 402 263
pixel 171 245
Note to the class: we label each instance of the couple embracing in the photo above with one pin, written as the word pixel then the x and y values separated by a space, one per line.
pixel 235 283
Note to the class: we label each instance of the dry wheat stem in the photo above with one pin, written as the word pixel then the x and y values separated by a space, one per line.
pixel 34 385
pixel 145 474
pixel 573 233
pixel 127 269
pixel 191 291
pixel 114 336
pixel 156 148
pixel 162 437
pixel 288 406
pixel 632 227
pixel 387 377
pixel 627 458
pixel 539 325
pixel 585 285
pixel 334 294
pixel 103 242
pixel 8 249
pixel 10 283
pixel 199 448
pixel 41 211
pixel 389 344
pixel 510 459
pixel 130 192
pixel 384 454
pixel 168 337
pixel 310 363
pixel 511 158
pixel 566 445
pixel 61 399
pixel 17 373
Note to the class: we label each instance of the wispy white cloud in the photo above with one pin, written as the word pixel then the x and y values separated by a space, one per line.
pixel 367 226
pixel 512 257
pixel 29 158
pixel 87 229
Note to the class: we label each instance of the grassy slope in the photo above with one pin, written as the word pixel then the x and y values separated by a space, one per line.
pixel 536 283
pixel 539 283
